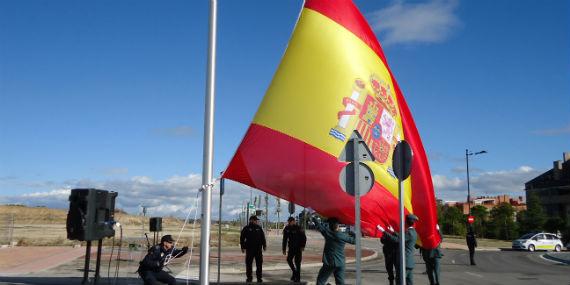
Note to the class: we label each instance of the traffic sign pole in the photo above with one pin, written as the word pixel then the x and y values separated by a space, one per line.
pixel 356 168
pixel 401 162
pixel 354 152
pixel 402 234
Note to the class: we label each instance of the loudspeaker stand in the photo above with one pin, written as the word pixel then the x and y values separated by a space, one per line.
pixel 86 267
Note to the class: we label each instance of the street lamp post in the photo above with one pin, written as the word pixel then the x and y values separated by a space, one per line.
pixel 467 154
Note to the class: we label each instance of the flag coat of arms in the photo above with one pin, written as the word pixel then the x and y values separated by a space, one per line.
pixel 334 79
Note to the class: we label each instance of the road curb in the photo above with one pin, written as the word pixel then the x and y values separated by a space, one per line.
pixel 488 249
pixel 557 259
pixel 476 249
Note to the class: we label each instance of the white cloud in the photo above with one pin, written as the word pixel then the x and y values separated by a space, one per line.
pixel 429 22
pixel 53 193
pixel 446 183
pixel 53 199
pixel 175 196
pixel 235 211
pixel 485 184
pixel 525 168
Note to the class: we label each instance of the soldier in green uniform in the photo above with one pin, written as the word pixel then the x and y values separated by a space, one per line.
pixel 333 253
pixel 432 259
pixel 390 250
pixel 409 243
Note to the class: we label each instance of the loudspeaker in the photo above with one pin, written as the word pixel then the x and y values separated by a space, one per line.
pixel 155 224
pixel 91 214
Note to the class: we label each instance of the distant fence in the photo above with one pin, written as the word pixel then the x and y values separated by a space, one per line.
pixel 6 228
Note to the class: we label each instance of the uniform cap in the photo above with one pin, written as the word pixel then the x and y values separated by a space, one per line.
pixel 166 238
pixel 412 218
pixel 253 218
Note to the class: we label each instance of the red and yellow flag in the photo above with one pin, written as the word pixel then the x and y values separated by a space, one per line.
pixel 332 80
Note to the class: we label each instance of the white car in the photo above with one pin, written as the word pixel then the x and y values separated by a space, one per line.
pixel 538 241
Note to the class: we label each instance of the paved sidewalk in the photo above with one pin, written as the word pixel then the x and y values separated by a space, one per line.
pixel 24 260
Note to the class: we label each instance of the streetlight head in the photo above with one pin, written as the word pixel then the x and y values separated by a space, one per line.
pixel 481 152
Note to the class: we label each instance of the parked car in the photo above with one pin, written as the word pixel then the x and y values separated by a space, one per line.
pixel 538 241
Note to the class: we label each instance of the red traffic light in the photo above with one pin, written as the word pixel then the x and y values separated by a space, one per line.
pixel 470 219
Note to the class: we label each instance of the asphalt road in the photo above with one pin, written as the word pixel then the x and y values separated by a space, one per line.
pixel 502 267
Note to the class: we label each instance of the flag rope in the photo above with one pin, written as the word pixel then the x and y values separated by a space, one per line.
pixel 195 209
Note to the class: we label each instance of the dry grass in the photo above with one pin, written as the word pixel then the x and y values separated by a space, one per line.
pixel 46 216
pixel 34 215
pixel 40 226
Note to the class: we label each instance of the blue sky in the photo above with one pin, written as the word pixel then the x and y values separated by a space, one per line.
pixel 110 94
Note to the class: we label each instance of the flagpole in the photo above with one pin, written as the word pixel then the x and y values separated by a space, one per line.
pixel 207 167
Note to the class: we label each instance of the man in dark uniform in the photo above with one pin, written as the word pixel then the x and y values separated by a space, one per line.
pixel 252 241
pixel 471 244
pixel 390 250
pixel 432 259
pixel 150 268
pixel 410 239
pixel 294 236
pixel 333 253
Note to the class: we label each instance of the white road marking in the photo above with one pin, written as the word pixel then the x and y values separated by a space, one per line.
pixel 453 261
pixel 474 274
pixel 553 261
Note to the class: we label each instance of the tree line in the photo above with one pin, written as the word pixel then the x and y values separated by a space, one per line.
pixel 502 222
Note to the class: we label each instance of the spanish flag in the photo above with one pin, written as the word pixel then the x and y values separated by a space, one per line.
pixel 332 80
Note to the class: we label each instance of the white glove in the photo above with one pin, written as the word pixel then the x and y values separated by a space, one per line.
pixel 380 228
pixel 437 227
pixel 391 228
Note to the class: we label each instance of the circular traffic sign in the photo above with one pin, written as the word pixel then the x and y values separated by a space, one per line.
pixel 470 219
pixel 365 179
pixel 402 160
